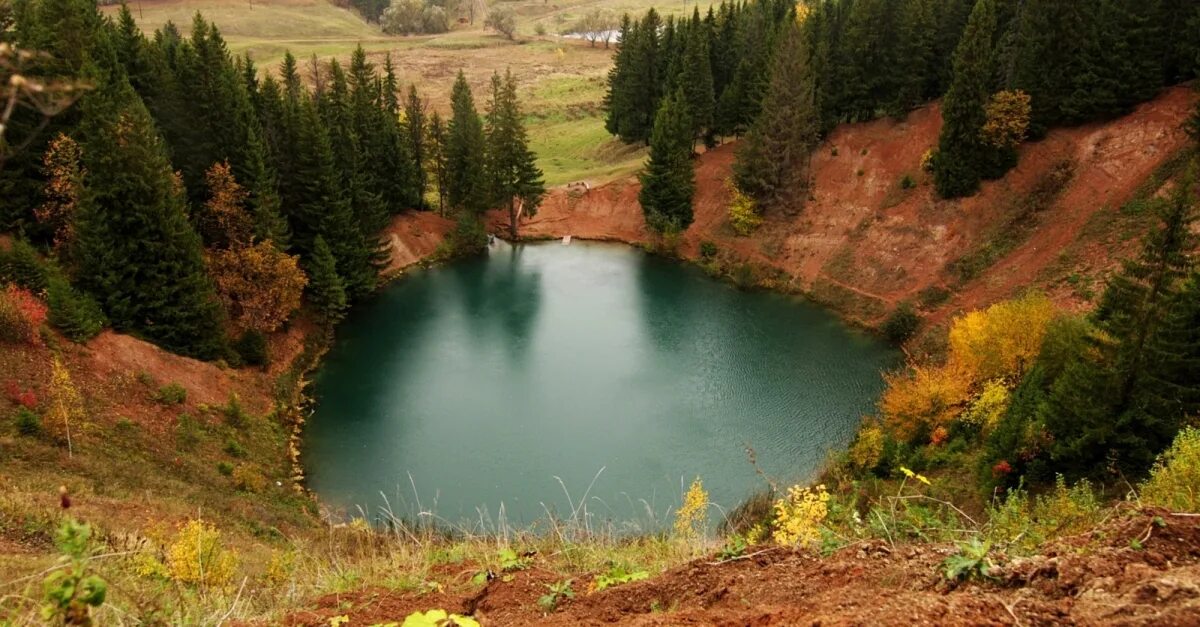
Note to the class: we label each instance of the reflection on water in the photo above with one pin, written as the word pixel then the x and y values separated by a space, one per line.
pixel 488 381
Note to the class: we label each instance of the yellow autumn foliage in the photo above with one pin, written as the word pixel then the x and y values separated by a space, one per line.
pixel 64 407
pixel 743 214
pixel 1002 340
pixel 197 556
pixel 1007 119
pixel 691 519
pixel 867 448
pixel 259 285
pixel 924 397
pixel 799 514
pixel 989 406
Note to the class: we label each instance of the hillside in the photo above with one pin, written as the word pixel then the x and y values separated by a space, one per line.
pixel 1059 221
pixel 180 245
pixel 561 79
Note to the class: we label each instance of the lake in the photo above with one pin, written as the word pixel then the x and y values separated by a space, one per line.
pixel 497 386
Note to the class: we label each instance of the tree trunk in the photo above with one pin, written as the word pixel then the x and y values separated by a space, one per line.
pixel 514 215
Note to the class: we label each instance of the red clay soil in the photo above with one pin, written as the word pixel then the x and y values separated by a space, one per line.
pixel 1097 578
pixel 413 236
pixel 862 243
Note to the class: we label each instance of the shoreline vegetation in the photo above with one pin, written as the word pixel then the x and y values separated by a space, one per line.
pixel 1028 461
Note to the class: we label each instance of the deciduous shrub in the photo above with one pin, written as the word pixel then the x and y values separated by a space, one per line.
pixel 691 519
pixel 247 479
pixel 503 21
pixel 1002 340
pixel 21 315
pixel 799 514
pixel 259 285
pixel 1007 119
pixel 171 394
pixel 743 213
pixel 708 250
pixel 926 397
pixel 988 408
pixel 1174 481
pixel 197 556
pixel 18 395
pixel 867 449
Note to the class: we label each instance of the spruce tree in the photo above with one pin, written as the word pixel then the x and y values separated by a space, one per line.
pixel 135 250
pixel 772 162
pixel 1053 36
pixel 696 77
pixel 1109 406
pixel 414 132
pixel 514 179
pixel 465 178
pixel 668 181
pixel 77 315
pixel 326 291
pixel 962 154
pixel 437 160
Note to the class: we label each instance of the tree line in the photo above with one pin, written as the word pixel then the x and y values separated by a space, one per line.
pixel 193 199
pixel 784 74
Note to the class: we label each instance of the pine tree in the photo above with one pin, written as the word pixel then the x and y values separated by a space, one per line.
pixel 696 77
pixel 618 99
pixel 1052 37
pixel 465 178
pixel 75 313
pixel 437 160
pixel 325 289
pixel 668 181
pixel 414 130
pixel 514 179
pixel 1107 406
pixel 319 206
pixel 772 162
pixel 135 250
pixel 962 155
pixel 916 55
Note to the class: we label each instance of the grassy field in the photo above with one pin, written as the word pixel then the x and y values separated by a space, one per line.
pixel 561 80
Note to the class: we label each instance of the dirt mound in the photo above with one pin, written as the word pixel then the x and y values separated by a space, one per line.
pixel 1140 569
pixel 874 233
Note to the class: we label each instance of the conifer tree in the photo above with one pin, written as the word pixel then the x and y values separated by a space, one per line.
pixel 319 206
pixel 772 162
pixel 962 155
pixel 618 100
pixel 668 181
pixel 515 181
pixel 1052 37
pixel 325 288
pixel 437 160
pixel 696 77
pixel 135 250
pixel 414 128
pixel 465 177
pixel 75 313
pixel 1108 405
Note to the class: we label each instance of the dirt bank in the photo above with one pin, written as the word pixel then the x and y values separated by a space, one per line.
pixel 1097 578
pixel 866 240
